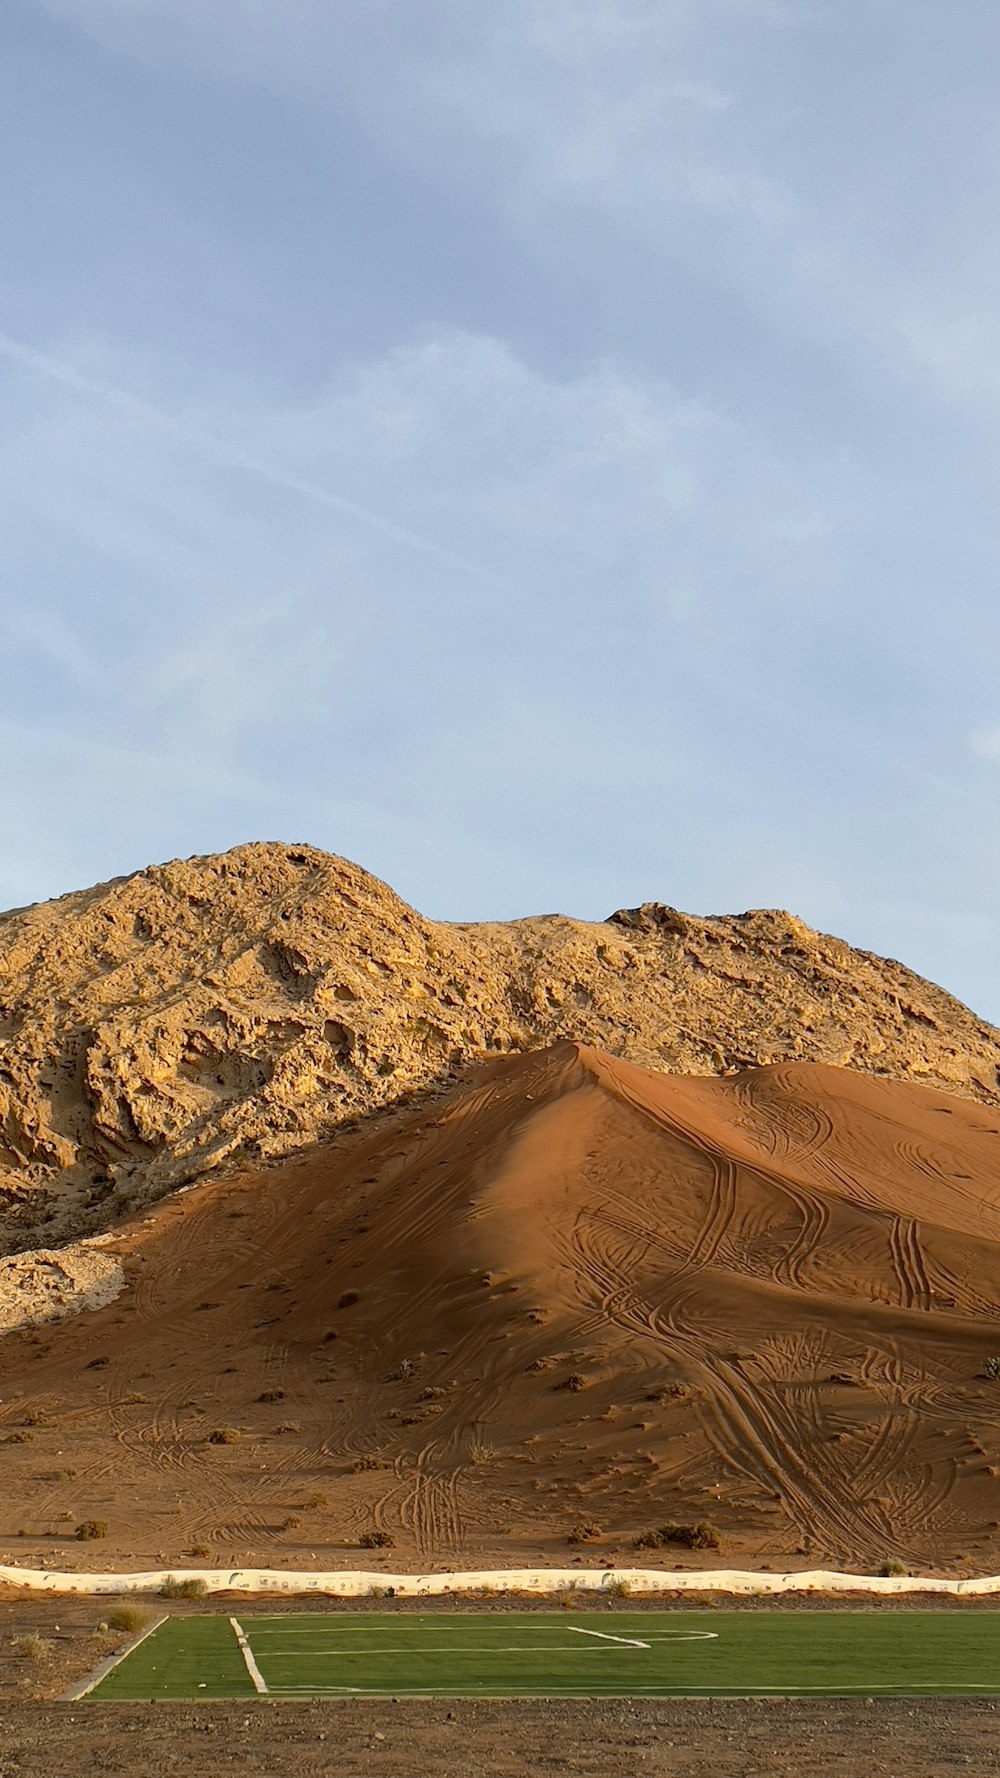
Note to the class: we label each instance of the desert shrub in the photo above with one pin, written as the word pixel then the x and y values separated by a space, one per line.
pixel 619 1588
pixel 291 1523
pixel 35 1417
pixel 480 1453
pixel 31 1647
pixel 88 1529
pixel 433 1392
pixel 573 1382
pixel 585 1533
pixel 369 1461
pixel 224 1435
pixel 19 1438
pixel 404 1370
pixel 313 1502
pixel 992 1367
pixel 193 1588
pixel 700 1536
pixel 893 1569
pixel 377 1540
pixel 200 1552
pixel 128 1617
pixel 271 1395
pixel 288 1426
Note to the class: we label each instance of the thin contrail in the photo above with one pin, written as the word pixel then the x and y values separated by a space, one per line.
pixel 59 372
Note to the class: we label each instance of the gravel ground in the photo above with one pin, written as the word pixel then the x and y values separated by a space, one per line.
pixel 722 1739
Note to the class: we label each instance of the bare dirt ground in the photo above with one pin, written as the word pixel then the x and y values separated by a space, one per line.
pixel 40 1738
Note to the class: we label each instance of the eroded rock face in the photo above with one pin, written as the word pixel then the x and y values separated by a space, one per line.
pixel 227 1010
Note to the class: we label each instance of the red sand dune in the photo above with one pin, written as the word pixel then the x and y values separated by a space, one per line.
pixel 569 1292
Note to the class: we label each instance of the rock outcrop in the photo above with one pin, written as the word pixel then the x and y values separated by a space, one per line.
pixel 227 1010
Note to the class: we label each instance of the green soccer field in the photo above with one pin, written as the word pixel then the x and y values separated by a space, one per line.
pixel 648 1654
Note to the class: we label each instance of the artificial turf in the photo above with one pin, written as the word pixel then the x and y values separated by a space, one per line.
pixel 566 1654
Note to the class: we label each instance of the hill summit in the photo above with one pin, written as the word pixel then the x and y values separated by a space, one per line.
pixel 228 1010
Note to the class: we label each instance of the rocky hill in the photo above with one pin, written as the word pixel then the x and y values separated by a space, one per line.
pixel 228 1010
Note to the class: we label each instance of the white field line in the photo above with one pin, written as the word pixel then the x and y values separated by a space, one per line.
pixel 109 1666
pixel 359 1583
pixel 247 1652
pixel 606 1636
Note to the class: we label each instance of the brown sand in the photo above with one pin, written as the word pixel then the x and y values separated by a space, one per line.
pixel 568 1293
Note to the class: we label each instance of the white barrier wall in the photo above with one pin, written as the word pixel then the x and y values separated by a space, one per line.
pixel 353 1584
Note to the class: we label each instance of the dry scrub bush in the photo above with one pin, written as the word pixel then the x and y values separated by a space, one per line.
pixel 585 1533
pixel 128 1617
pixel 288 1426
pixel 700 1536
pixel 893 1570
pixel 405 1369
pixel 377 1540
pixel 31 1647
pixel 200 1551
pixel 361 1464
pixel 480 1453
pixel 224 1435
pixel 271 1395
pixel 619 1588
pixel 992 1367
pixel 183 1589
pixel 89 1529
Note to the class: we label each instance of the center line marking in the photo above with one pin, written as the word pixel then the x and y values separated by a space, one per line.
pixel 605 1635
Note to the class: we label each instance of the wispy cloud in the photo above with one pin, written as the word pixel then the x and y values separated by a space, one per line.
pixel 226 451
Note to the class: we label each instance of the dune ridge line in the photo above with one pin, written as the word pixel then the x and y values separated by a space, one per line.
pixel 358 1583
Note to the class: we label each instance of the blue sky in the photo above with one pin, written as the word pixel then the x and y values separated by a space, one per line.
pixel 545 451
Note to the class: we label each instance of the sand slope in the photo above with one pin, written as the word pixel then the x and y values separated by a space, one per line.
pixel 570 1292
